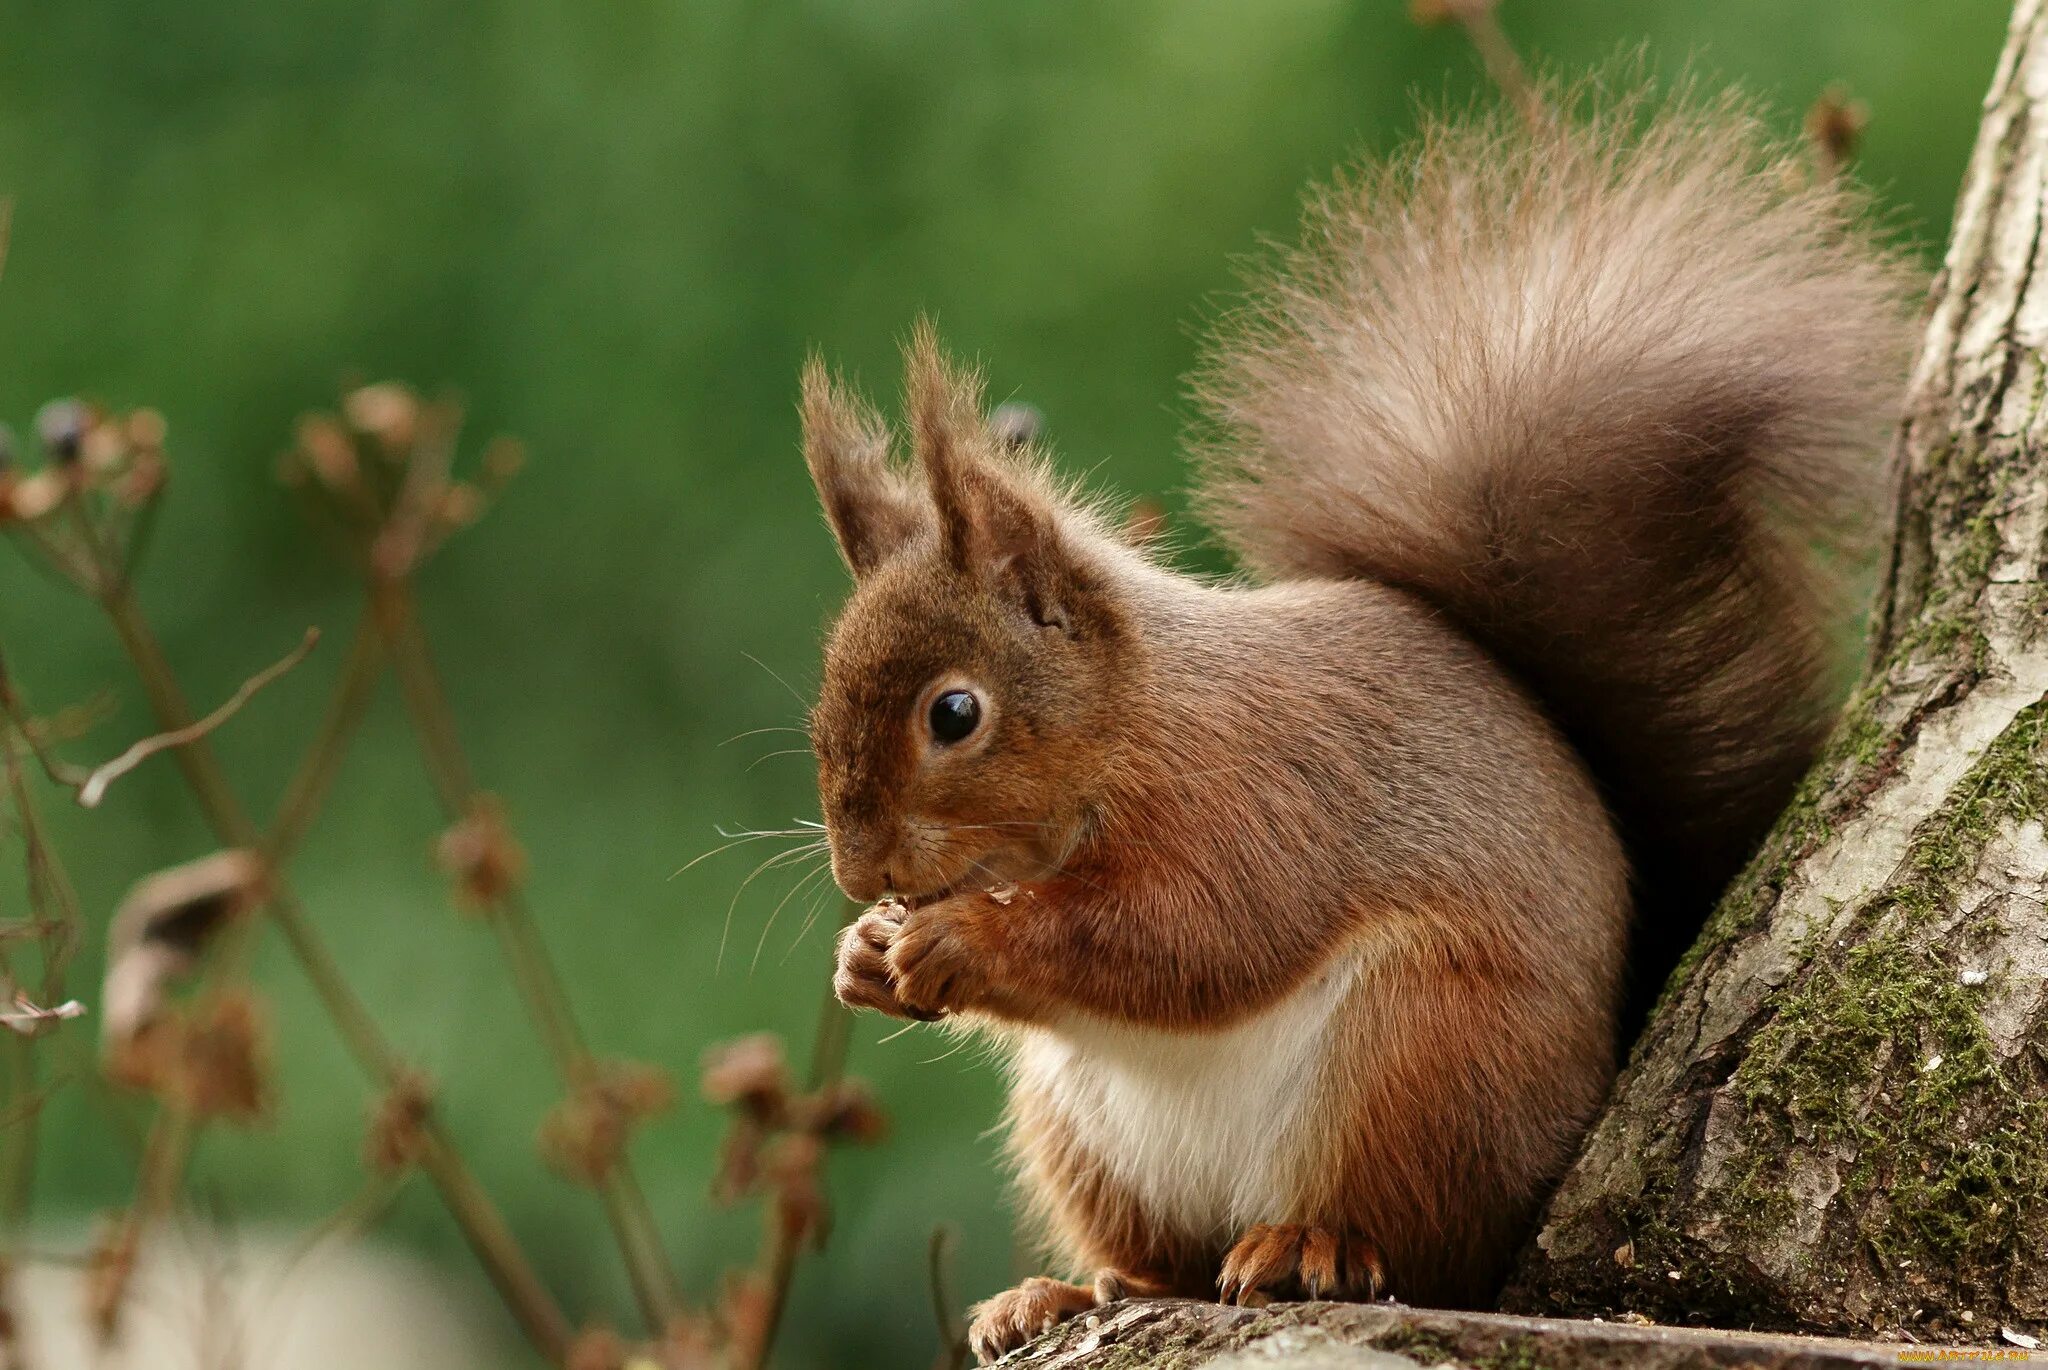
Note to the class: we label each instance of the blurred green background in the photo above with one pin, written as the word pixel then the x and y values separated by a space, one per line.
pixel 615 230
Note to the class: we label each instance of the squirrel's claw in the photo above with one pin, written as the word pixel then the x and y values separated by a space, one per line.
pixel 1289 1258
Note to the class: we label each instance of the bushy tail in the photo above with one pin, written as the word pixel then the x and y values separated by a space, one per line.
pixel 1606 392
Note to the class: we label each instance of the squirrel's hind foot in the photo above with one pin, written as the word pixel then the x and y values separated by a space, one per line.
pixel 1002 1324
pixel 1274 1259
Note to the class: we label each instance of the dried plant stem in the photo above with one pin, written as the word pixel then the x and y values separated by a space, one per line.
pixel 782 1245
pixel 953 1350
pixel 173 1132
pixel 18 1143
pixel 160 1172
pixel 1497 53
pixel 631 1217
pixel 167 701
pixel 51 900
pixel 308 788
pixel 94 787
pixel 482 1226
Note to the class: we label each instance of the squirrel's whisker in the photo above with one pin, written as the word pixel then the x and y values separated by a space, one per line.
pixel 756 732
pixel 898 1033
pixel 793 694
pixel 786 751
pixel 781 858
pixel 822 868
pixel 739 839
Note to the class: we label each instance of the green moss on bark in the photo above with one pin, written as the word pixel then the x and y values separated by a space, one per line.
pixel 1880 1052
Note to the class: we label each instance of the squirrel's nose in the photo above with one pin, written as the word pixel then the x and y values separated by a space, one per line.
pixel 866 844
pixel 862 879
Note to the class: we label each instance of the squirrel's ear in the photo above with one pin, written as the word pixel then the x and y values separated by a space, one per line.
pixel 995 520
pixel 873 507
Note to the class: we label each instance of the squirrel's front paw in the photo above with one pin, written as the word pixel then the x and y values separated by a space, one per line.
pixel 935 964
pixel 863 979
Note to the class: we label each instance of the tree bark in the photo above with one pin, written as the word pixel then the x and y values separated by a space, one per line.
pixel 1837 1120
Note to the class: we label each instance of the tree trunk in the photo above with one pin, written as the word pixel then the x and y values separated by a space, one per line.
pixel 1837 1120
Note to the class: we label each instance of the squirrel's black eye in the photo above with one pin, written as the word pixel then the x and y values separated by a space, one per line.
pixel 954 715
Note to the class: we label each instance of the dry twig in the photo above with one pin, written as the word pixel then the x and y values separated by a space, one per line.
pixel 1482 26
pixel 94 787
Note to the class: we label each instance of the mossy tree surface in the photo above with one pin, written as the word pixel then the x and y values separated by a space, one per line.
pixel 1837 1120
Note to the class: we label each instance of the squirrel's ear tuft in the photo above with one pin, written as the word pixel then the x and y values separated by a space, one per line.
pixel 873 507
pixel 995 517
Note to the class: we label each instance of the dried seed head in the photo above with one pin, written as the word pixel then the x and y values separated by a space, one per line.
pixel 105 447
pixel 480 853
pixel 1835 124
pixel 461 504
pixel 143 480
pixel 748 1074
pixel 30 497
pixel 847 1111
pixel 161 930
pixel 146 430
pixel 325 450
pixel 226 1055
pixel 210 1059
pixel 596 1348
pixel 61 427
pixel 397 1135
pixel 584 1136
pixel 739 1160
pixel 581 1140
pixel 642 1091
pixel 388 412
pixel 144 1060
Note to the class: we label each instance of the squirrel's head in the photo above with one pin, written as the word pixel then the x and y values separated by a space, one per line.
pixel 970 693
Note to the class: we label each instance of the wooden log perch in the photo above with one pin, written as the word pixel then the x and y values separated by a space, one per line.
pixel 1174 1335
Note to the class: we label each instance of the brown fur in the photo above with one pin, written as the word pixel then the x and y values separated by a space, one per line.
pixel 1531 439
pixel 1595 392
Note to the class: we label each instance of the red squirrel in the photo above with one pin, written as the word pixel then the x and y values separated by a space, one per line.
pixel 1302 903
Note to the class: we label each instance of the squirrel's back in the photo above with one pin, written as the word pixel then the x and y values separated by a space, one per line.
pixel 1607 391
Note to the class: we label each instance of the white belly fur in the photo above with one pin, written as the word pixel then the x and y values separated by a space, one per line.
pixel 1197 1125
